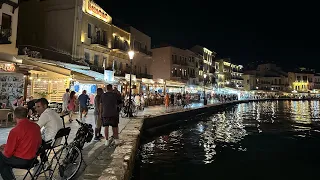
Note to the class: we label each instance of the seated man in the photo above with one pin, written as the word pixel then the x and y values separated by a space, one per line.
pixel 22 145
pixel 49 120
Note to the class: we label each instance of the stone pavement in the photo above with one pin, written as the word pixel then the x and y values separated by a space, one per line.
pixel 96 150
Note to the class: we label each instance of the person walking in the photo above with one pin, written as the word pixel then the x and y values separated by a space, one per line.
pixel 166 101
pixel 65 100
pixel 97 116
pixel 110 115
pixel 83 100
pixel 72 105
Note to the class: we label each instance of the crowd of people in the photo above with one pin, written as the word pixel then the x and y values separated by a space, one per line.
pixel 26 137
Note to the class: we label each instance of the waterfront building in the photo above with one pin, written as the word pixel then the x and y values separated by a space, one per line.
pixel 177 66
pixel 206 64
pixel 76 32
pixel 13 73
pixel 267 77
pixel 301 80
pixel 228 74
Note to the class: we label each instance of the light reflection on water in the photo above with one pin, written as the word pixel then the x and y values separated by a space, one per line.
pixel 244 135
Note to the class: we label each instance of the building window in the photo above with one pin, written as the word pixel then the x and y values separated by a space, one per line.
pixel 145 69
pixel 104 37
pixel 89 31
pixel 96 60
pixel 6 21
pixel 87 57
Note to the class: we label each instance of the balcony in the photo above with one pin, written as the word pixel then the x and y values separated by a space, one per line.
pixel 98 41
pixel 123 46
pixel 144 51
pixel 54 54
pixel 142 75
pixel 5 34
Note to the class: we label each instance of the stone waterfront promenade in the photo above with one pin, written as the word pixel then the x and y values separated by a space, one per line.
pixel 108 163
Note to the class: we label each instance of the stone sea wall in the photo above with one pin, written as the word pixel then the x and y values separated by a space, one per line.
pixel 123 157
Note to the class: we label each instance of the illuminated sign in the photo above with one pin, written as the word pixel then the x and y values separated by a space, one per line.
pixel 133 77
pixel 96 11
pixel 7 67
pixel 108 76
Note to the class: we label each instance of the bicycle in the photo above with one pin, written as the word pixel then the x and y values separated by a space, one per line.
pixel 127 108
pixel 68 154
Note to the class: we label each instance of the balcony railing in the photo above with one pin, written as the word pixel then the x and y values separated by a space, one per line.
pixel 95 40
pixel 54 54
pixel 148 76
pixel 145 51
pixel 5 34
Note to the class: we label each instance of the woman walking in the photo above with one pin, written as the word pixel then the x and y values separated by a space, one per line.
pixel 167 101
pixel 72 105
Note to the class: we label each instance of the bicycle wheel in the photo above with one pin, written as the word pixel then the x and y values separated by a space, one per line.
pixel 71 161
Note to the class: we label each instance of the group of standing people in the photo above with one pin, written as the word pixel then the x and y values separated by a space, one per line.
pixel 69 103
pixel 176 99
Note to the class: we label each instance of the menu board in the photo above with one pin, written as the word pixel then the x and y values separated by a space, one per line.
pixel 11 86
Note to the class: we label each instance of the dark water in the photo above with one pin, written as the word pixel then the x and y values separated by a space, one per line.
pixel 259 140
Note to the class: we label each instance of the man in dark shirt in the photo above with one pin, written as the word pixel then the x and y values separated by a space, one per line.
pixel 83 99
pixel 109 113
pixel 22 145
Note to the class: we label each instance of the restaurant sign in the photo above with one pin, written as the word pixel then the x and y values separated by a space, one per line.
pixel 7 67
pixel 96 11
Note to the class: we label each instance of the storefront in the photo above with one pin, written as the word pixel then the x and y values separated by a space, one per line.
pixel 52 80
pixel 174 87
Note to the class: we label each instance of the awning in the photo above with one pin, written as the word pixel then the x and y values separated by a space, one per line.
pixel 83 70
pixel 51 66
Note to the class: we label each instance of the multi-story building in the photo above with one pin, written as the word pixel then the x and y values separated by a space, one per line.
pixel 141 44
pixel 301 80
pixel 316 81
pixel 206 65
pixel 8 26
pixel 78 31
pixel 228 74
pixel 266 77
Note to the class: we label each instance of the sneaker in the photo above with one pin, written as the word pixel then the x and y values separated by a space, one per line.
pixel 96 138
pixel 107 143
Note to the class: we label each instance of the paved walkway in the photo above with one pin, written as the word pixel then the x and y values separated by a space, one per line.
pixel 94 149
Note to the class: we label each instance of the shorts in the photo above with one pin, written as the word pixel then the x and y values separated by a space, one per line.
pixel 110 121
pixel 98 121
pixel 83 108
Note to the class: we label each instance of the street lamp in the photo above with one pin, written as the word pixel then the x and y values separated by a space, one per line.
pixel 131 55
pixel 204 90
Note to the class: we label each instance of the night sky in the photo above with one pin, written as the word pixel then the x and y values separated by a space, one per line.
pixel 286 33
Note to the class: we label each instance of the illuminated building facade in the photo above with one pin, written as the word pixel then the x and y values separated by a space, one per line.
pixel 206 63
pixel 77 31
pixel 228 74
pixel 266 77
pixel 171 63
pixel 301 80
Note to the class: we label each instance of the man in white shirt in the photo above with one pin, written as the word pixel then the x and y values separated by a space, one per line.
pixel 49 121
pixel 65 100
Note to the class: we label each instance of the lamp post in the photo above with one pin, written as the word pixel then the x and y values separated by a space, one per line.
pixel 131 55
pixel 204 90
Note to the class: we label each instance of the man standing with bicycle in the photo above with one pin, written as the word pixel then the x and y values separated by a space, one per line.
pixel 110 115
